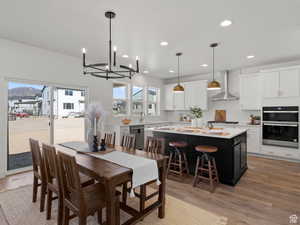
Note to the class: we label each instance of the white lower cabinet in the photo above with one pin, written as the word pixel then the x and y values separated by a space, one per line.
pixel 253 139
pixel 282 152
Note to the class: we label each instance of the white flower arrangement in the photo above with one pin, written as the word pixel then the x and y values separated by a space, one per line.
pixel 95 115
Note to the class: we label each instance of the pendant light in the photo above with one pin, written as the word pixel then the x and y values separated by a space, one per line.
pixel 178 88
pixel 213 85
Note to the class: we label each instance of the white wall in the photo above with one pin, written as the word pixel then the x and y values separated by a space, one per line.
pixel 35 65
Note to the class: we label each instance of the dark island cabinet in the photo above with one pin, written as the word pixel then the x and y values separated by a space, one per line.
pixel 231 158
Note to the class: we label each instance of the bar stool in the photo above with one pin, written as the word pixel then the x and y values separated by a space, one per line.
pixel 206 169
pixel 178 163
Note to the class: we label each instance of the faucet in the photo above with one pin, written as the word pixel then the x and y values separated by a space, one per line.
pixel 141 116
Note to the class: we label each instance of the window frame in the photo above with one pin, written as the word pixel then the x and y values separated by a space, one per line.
pixel 157 102
pixel 145 101
pixel 66 104
pixel 127 99
pixel 132 101
pixel 69 92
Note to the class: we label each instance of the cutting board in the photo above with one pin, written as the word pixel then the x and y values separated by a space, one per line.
pixel 220 115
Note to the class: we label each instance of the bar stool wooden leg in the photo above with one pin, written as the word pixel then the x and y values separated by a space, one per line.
pixel 186 164
pixel 210 176
pixel 216 170
pixel 169 163
pixel 180 164
pixel 196 171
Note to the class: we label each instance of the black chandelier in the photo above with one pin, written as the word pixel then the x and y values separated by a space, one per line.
pixel 109 70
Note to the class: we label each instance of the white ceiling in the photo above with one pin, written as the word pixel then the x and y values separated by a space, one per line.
pixel 268 29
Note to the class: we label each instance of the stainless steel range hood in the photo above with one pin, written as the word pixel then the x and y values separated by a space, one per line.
pixel 225 95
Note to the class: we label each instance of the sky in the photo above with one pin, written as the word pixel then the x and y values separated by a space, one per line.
pixel 15 85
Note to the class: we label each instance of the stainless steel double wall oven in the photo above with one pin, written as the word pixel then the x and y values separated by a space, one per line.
pixel 281 126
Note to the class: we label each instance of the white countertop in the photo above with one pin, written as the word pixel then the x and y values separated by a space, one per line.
pixel 225 133
pixel 152 122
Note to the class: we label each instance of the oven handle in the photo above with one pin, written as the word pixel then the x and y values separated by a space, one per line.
pixel 281 125
pixel 280 111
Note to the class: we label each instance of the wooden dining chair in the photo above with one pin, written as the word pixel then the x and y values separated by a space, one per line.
pixel 155 145
pixel 39 175
pixel 128 141
pixel 54 181
pixel 110 139
pixel 82 201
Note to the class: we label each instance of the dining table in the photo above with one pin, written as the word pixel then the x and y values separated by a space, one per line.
pixel 112 175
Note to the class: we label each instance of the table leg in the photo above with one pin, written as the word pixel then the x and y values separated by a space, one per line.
pixel 110 191
pixel 162 191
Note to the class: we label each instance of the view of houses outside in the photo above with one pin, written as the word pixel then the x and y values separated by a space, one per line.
pixel 29 107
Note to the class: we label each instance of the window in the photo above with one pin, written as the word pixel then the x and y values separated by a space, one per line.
pixel 82 94
pixel 137 100
pixel 69 92
pixel 153 101
pixel 120 99
pixel 68 105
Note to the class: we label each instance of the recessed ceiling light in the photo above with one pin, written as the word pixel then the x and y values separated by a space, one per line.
pixel 125 56
pixel 146 71
pixel 171 71
pixel 204 65
pixel 226 23
pixel 164 43
pixel 250 56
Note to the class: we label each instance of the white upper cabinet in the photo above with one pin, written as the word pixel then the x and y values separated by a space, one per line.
pixel 251 91
pixel 179 100
pixel 289 83
pixel 283 83
pixel 270 84
pixel 196 94
pixel 169 98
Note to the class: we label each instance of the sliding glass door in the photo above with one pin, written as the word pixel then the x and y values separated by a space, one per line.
pixel 68 114
pixel 28 117
pixel 48 114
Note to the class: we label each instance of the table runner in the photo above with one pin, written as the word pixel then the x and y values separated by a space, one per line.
pixel 144 170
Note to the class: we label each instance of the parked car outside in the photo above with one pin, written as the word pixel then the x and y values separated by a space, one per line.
pixel 74 115
pixel 22 115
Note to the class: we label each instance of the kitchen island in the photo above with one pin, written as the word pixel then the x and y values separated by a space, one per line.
pixel 231 156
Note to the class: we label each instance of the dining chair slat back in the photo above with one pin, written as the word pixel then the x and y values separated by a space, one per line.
pixel 70 177
pixel 49 153
pixel 110 139
pixel 54 181
pixel 39 173
pixel 37 161
pixel 155 145
pixel 128 141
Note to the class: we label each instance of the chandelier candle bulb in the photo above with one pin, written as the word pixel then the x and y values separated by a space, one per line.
pixel 83 56
pixel 137 64
pixel 115 55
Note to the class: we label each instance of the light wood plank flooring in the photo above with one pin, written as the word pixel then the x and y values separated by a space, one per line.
pixel 267 194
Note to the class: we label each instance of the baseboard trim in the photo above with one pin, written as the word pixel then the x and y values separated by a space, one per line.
pixel 274 157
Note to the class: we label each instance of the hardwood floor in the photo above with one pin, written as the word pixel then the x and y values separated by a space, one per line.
pixel 267 194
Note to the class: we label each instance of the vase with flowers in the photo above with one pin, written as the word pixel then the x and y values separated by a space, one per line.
pixel 197 113
pixel 94 116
